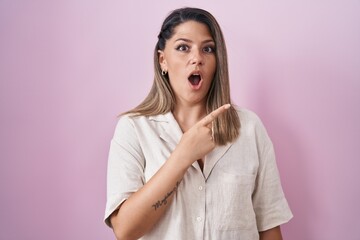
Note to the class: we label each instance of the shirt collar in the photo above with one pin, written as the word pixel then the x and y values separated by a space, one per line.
pixel 172 134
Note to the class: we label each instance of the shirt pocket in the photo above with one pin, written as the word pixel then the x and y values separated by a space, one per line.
pixel 234 202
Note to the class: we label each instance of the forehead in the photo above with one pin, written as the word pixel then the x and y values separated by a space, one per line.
pixel 191 29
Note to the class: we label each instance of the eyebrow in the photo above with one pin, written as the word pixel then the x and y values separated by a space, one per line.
pixel 188 40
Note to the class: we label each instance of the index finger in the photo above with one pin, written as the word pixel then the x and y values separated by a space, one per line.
pixel 213 115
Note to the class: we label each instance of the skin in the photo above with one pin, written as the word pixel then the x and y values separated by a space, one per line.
pixel 189 49
pixel 271 234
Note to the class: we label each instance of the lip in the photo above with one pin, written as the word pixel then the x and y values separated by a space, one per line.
pixel 197 72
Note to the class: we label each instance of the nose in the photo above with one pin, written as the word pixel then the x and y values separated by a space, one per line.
pixel 197 58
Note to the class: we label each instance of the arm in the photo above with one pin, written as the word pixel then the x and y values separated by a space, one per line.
pixel 152 200
pixel 271 234
pixel 270 205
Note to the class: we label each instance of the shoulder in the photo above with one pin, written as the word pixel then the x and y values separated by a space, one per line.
pixel 247 117
pixel 124 122
pixel 126 125
pixel 251 124
pixel 130 120
pixel 134 123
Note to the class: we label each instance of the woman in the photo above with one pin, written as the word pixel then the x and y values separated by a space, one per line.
pixel 180 165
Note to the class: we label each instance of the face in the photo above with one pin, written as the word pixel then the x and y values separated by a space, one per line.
pixel 189 58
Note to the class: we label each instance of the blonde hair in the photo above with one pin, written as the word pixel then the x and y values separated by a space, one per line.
pixel 161 99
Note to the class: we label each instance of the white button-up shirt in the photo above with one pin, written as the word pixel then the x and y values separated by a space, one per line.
pixel 237 194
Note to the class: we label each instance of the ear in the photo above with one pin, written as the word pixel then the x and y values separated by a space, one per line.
pixel 162 60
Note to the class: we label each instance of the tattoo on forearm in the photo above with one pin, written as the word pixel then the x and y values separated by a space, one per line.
pixel 164 200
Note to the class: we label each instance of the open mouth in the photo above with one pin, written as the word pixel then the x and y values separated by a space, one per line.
pixel 194 79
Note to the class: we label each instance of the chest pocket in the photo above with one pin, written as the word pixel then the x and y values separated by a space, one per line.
pixel 234 208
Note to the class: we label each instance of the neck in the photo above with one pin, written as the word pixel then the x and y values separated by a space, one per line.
pixel 188 116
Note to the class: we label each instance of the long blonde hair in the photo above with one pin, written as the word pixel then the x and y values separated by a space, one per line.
pixel 161 99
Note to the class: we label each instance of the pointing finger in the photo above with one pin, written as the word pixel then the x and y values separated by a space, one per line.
pixel 213 115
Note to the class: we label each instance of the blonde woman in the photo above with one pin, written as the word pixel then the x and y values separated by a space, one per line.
pixel 186 164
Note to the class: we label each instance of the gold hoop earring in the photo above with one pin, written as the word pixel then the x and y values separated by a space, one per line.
pixel 163 72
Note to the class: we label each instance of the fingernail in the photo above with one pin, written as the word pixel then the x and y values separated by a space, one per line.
pixel 227 106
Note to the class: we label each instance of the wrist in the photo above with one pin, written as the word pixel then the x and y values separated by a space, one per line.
pixel 181 159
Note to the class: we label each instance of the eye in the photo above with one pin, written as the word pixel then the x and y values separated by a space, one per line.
pixel 209 49
pixel 182 48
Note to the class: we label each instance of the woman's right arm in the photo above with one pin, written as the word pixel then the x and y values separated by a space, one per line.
pixel 143 209
pixel 139 213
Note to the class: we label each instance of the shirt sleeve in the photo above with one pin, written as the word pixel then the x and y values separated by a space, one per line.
pixel 125 166
pixel 270 205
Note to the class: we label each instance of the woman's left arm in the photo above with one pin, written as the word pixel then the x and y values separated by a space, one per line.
pixel 271 234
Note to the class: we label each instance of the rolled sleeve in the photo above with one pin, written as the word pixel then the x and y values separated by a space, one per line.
pixel 125 174
pixel 270 205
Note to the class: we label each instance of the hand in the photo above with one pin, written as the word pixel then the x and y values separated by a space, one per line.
pixel 198 140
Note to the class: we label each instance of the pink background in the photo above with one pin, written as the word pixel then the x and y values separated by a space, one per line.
pixel 67 68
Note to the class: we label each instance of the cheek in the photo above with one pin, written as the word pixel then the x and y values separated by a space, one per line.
pixel 213 67
pixel 212 61
pixel 174 81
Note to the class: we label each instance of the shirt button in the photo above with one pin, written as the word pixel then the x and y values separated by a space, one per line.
pixel 200 188
pixel 198 219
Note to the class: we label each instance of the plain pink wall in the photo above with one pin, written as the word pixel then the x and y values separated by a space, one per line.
pixel 67 68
